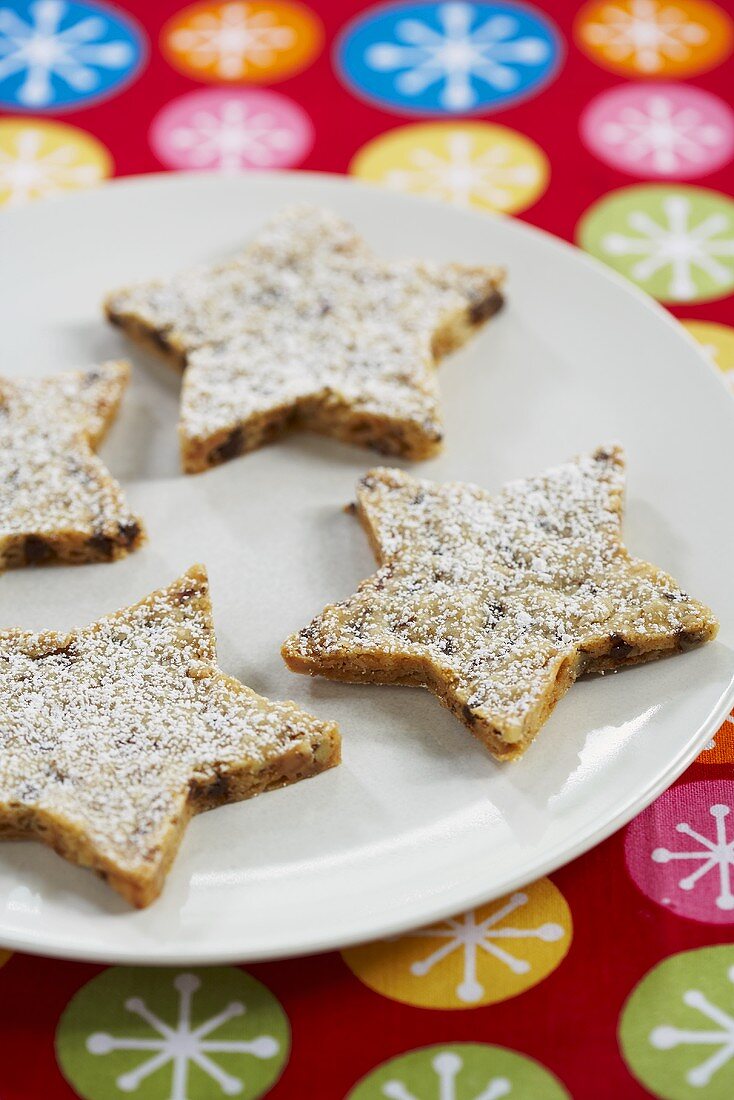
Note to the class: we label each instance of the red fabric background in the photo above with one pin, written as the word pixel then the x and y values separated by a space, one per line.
pixel 341 1029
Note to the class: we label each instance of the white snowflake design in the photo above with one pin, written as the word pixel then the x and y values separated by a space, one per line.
pixel 462 175
pixel 667 1037
pixel 677 244
pixel 41 51
pixel 713 852
pixel 647 32
pixel 181 1045
pixel 457 54
pixel 468 935
pixel 447 1067
pixel 673 137
pixel 28 173
pixel 232 136
pixel 233 39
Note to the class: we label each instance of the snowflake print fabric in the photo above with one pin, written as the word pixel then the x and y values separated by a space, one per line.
pixel 677 1028
pixel 476 958
pixel 56 54
pixel 158 1034
pixel 475 164
pixel 231 131
pixel 677 243
pixel 460 1071
pixel 680 851
pixel 609 123
pixel 668 130
pixel 449 58
pixel 242 40
pixel 39 159
pixel 654 37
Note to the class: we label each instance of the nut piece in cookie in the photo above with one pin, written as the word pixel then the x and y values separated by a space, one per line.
pixel 498 603
pixel 308 328
pixel 58 502
pixel 115 734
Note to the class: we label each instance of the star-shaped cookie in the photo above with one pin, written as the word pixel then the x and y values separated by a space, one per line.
pixel 498 603
pixel 58 502
pixel 114 735
pixel 308 327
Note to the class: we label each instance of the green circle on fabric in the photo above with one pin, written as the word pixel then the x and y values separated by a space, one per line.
pixel 459 1071
pixel 675 242
pixel 172 1034
pixel 677 1028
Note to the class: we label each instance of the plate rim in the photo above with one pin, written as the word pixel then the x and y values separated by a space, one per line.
pixel 547 861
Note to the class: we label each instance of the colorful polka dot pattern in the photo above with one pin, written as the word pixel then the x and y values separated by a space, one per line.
pixel 480 957
pixel 183 1033
pixel 59 54
pixel 655 38
pixel 231 130
pixel 660 130
pixel 448 58
pixel 40 158
pixel 677 243
pixel 676 1028
pixel 680 851
pixel 459 1071
pixel 472 164
pixel 608 129
pixel 242 40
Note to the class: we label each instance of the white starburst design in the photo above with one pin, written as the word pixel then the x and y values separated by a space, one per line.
pixel 232 136
pixel 233 38
pixel 672 137
pixel 716 852
pixel 468 935
pixel 41 51
pixel 646 32
pixel 27 173
pixel 457 54
pixel 181 1045
pixel 677 244
pixel 447 1067
pixel 667 1037
pixel 462 175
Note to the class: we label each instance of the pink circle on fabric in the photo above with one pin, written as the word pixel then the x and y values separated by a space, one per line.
pixel 680 851
pixel 231 129
pixel 669 131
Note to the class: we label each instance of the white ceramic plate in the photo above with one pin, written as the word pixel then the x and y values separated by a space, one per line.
pixel 419 822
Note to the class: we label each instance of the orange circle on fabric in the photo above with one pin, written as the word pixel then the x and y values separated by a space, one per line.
pixel 655 37
pixel 480 957
pixel 242 40
pixel 720 749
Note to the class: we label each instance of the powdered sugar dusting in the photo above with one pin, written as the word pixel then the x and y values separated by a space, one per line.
pixel 489 598
pixel 107 728
pixel 51 482
pixel 308 320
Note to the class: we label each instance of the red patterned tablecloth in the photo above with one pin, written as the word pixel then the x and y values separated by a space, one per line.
pixel 607 124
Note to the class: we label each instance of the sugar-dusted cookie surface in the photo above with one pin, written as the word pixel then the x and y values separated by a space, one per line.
pixel 114 735
pixel 498 603
pixel 58 502
pixel 308 327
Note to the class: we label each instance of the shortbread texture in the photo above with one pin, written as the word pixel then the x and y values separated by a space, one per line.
pixel 58 502
pixel 114 735
pixel 307 327
pixel 498 603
